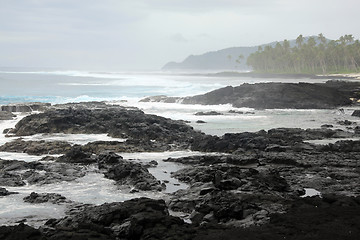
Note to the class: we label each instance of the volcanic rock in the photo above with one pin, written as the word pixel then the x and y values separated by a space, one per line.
pixel 127 173
pixel 77 155
pixel 6 115
pixel 4 192
pixel 35 147
pixel 273 95
pixel 211 113
pixel 116 121
pixel 45 197
pixel 25 107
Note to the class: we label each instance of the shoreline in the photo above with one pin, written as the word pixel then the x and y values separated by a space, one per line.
pixel 345 76
pixel 240 182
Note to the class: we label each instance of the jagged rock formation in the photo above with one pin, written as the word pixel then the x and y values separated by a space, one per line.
pixel 271 95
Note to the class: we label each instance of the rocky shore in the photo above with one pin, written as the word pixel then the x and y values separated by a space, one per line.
pixel 275 95
pixel 262 185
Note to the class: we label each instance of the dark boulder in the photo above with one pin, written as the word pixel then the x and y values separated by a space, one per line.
pixel 127 173
pixel 200 121
pixel 115 121
pixel 13 173
pixel 4 192
pixel 346 122
pixel 161 98
pixel 108 158
pixel 45 197
pixel 21 231
pixel 274 95
pixel 6 115
pixel 77 155
pixel 211 113
pixel 141 218
pixel 11 179
pixel 35 147
pixel 356 113
pixel 25 107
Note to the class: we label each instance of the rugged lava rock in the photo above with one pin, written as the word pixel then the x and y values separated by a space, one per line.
pixel 4 192
pixel 330 217
pixel 141 218
pixel 6 115
pixel 127 173
pixel 77 155
pixel 36 147
pixel 278 139
pixel 20 231
pixel 13 173
pixel 116 121
pixel 45 197
pixel 211 113
pixel 272 95
pixel 25 107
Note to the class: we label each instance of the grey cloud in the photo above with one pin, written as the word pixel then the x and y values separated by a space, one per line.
pixel 148 33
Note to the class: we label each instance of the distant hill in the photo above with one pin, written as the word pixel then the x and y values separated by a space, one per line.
pixel 220 60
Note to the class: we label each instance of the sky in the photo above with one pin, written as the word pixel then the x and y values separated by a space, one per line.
pixel 146 34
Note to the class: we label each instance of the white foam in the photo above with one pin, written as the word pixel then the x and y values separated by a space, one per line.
pixel 330 140
pixel 310 192
pixel 5 124
pixel 93 188
pixel 13 209
pixel 80 139
pixel 164 169
pixel 22 156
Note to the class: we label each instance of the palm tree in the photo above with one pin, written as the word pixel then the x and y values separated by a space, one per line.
pixel 241 57
pixel 322 38
pixel 300 40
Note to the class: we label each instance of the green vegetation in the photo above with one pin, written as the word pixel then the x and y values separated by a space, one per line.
pixel 316 55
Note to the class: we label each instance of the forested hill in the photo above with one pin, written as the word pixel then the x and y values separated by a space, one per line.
pixel 313 55
pixel 225 59
pixel 233 58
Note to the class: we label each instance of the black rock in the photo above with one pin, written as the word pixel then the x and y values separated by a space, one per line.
pixel 356 113
pixel 346 122
pixel 36 147
pixel 127 173
pixel 113 120
pixel 45 197
pixel 20 231
pixel 25 107
pixel 108 158
pixel 11 179
pixel 200 121
pixel 77 155
pixel 274 95
pixel 211 113
pixel 141 218
pixel 13 173
pixel 236 112
pixel 4 192
pixel 6 115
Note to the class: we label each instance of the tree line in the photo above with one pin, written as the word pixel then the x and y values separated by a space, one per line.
pixel 314 55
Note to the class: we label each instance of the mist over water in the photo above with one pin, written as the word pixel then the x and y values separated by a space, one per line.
pixel 77 86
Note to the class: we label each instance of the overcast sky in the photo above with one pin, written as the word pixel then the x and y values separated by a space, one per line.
pixel 145 34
